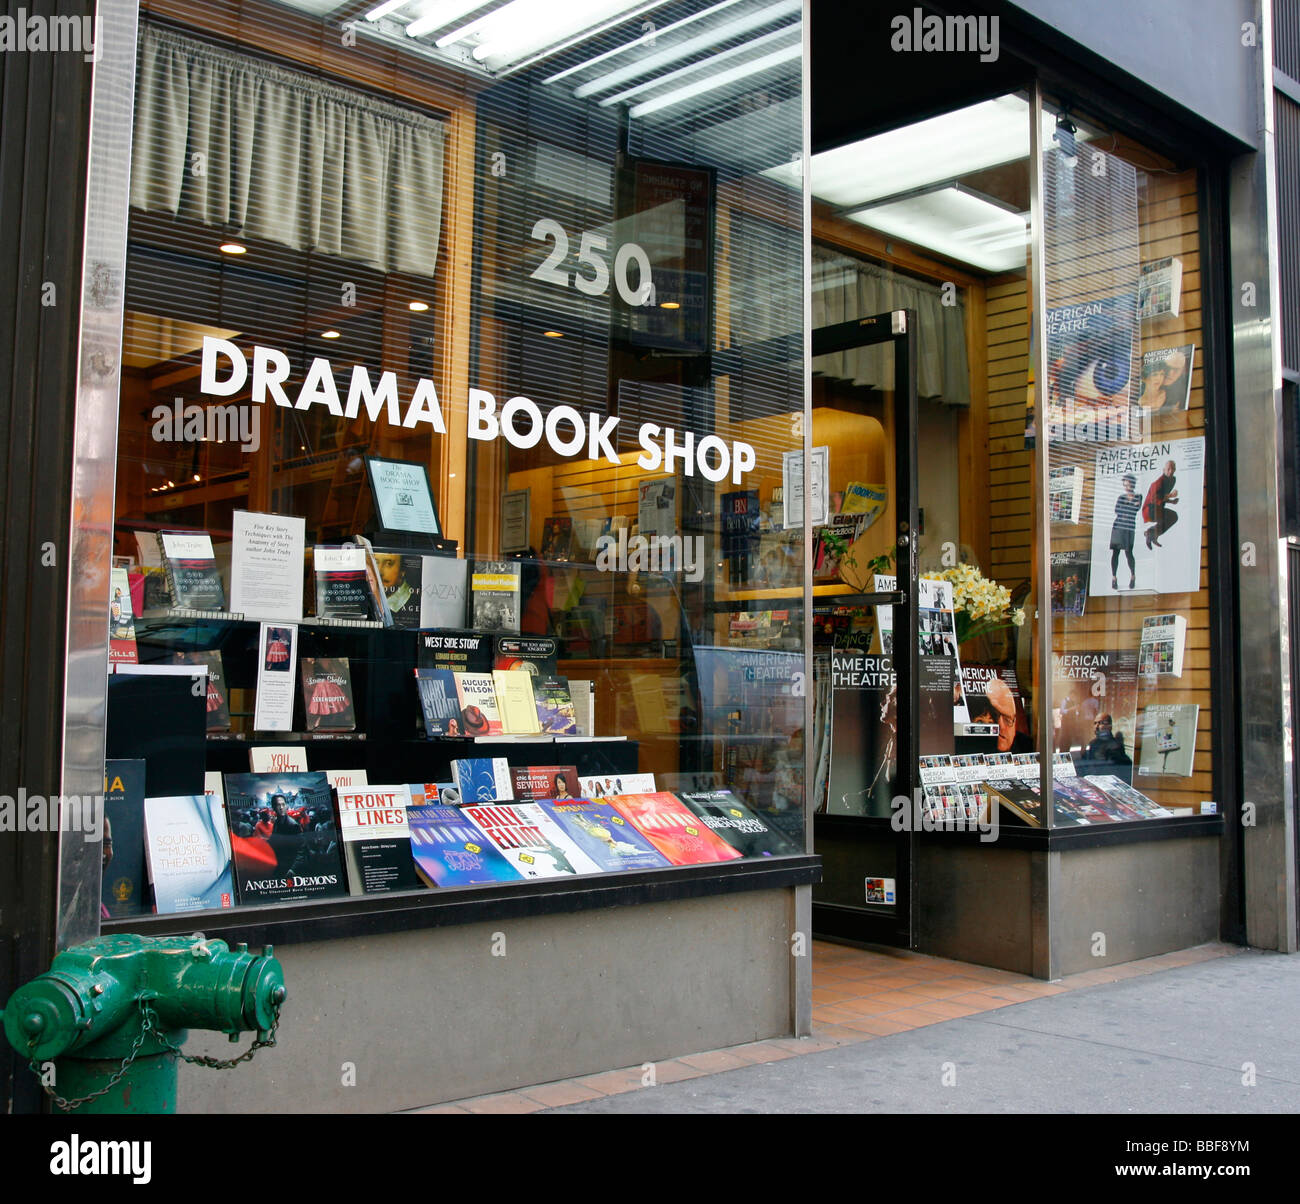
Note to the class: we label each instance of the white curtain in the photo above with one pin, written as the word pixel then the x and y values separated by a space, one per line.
pixel 254 150
pixel 845 289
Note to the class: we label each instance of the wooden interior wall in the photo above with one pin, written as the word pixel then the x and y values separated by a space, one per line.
pixel 1168 225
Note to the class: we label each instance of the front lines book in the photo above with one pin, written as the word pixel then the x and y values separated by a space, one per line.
pixel 377 839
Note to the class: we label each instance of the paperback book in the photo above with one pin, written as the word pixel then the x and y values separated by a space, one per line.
pixel 740 827
pixel 377 839
pixel 442 592
pixel 217 703
pixel 1160 651
pixel 401 574
pixel 673 828
pixel 479 713
pixel 1094 695
pixel 449 850
pixel 1168 739
pixel 193 578
pixel 1120 790
pixel 285 838
pixel 602 786
pixel 121 620
pixel 605 835
pixel 994 703
pixel 1167 379
pixel 327 694
pixel 532 782
pixel 1160 288
pixel 557 538
pixel 459 651
pixel 535 654
pixel 515 702
pixel 1070 582
pixel 556 713
pixel 187 851
pixel 495 595
pixel 531 842
pixel 123 884
pixel 342 589
pixel 482 779
pixel 1065 493
pixel 439 702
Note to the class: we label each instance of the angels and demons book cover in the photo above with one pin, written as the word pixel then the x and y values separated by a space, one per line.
pixel 285 837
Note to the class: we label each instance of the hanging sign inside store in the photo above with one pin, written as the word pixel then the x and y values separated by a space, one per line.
pixel 226 371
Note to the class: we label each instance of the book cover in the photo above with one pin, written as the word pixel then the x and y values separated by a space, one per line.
pixel 673 828
pixel 187 851
pixel 831 541
pixel 459 651
pixel 1094 699
pixel 482 779
pixel 516 703
pixel 479 713
pixel 740 827
pixel 327 694
pixel 993 699
pixel 532 782
pixel 494 594
pixel 346 779
pixel 277 758
pixel 582 691
pixel 1146 526
pixel 193 579
pixel 536 654
pixel 1087 801
pixel 1070 582
pixel 123 886
pixel 121 620
pixel 217 702
pixel 865 499
pixel 740 542
pixel 449 850
pixel 442 592
pixel 342 589
pixel 605 835
pixel 602 786
pixel 557 538
pixel 377 839
pixel 439 702
pixel 531 842
pixel 656 507
pixel 1168 739
pixel 1090 351
pixel 556 713
pixel 864 718
pixel 401 573
pixel 1161 648
pixel 1160 288
pixel 378 599
pixel 1120 790
pixel 285 837
pixel 1065 493
pixel 1167 379
pixel 1022 799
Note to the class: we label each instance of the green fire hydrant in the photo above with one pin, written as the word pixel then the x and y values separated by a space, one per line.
pixel 103 1026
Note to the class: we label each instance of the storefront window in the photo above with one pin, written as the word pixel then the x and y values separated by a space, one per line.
pixel 462 403
pixel 1127 485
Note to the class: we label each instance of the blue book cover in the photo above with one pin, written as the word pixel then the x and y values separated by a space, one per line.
pixel 604 835
pixel 450 850
pixel 439 702
pixel 188 850
pixel 483 779
pixel 123 890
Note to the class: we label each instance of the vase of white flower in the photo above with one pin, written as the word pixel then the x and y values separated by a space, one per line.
pixel 980 606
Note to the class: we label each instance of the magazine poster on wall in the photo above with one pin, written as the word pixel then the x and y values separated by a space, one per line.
pixel 1146 529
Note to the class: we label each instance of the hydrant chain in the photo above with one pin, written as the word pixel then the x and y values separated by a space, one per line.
pixel 69 1105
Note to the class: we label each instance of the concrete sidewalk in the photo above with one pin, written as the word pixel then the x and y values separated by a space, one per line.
pixel 1187 1040
pixel 1211 1029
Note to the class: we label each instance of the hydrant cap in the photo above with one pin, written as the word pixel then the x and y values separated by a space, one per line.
pixel 263 993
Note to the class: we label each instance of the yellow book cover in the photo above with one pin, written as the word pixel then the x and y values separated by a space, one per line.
pixel 516 703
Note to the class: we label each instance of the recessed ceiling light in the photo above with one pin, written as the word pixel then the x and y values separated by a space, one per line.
pixel 418 307
pixel 330 334
pixel 669 305
pixel 233 248
pixel 552 334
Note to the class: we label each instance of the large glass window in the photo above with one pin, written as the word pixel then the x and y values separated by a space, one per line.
pixel 479 328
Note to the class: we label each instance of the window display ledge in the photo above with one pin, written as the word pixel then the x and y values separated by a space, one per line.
pixel 372 915
pixel 1059 840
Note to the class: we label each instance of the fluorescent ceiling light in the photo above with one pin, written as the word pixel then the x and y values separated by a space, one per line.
pixel 440 13
pixel 720 80
pixel 784 34
pixel 955 223
pixel 939 148
pixel 704 41
pixel 389 6
pixel 645 38
pixel 525 25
